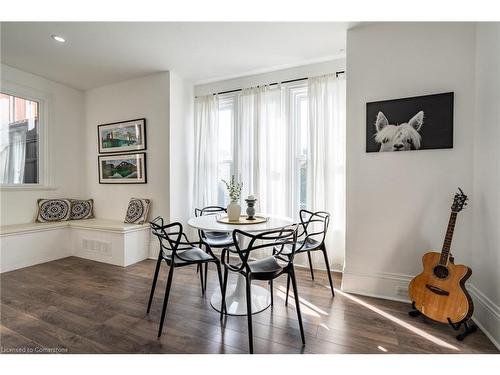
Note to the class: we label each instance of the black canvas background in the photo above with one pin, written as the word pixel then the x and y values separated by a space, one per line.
pixel 437 130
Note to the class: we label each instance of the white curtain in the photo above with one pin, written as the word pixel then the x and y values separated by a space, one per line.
pixel 326 159
pixel 245 138
pixel 206 151
pixel 262 149
pixel 13 154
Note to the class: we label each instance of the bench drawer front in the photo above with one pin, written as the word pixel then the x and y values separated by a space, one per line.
pixel 30 248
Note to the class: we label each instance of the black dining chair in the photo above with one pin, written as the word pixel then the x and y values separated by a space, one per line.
pixel 266 269
pixel 177 251
pixel 311 237
pixel 213 240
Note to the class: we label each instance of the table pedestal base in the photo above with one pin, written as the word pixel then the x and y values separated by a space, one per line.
pixel 236 298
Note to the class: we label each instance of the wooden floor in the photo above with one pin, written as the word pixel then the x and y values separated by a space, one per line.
pixel 79 306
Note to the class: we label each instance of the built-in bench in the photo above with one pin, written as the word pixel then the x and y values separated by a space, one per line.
pixel 102 240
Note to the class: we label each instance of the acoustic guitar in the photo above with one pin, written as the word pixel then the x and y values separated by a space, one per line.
pixel 439 291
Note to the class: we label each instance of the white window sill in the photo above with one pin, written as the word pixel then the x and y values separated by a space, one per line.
pixel 26 187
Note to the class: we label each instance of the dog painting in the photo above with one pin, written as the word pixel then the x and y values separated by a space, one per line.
pixel 416 123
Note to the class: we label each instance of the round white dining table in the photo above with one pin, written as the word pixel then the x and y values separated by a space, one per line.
pixel 235 293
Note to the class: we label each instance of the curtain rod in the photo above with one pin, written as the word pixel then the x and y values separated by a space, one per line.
pixel 274 83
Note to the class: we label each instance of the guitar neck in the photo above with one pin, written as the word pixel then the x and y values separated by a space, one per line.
pixel 445 252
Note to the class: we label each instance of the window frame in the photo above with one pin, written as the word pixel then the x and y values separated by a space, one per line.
pixel 44 100
pixel 229 100
pixel 294 92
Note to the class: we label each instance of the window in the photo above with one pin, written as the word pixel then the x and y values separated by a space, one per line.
pixel 285 137
pixel 225 140
pixel 19 140
pixel 299 121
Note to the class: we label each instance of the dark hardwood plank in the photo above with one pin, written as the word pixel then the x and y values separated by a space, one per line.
pixel 88 307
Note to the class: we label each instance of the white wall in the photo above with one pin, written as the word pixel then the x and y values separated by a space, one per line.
pixel 485 205
pixel 181 148
pixel 146 97
pixel 66 144
pixel 310 70
pixel 398 204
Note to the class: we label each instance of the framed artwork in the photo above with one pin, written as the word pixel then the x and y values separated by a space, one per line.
pixel 122 136
pixel 416 123
pixel 122 169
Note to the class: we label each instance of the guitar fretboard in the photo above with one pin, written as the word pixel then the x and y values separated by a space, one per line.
pixel 445 252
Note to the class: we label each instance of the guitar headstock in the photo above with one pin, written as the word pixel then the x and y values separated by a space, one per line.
pixel 459 201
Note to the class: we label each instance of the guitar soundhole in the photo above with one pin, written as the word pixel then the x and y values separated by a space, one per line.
pixel 441 272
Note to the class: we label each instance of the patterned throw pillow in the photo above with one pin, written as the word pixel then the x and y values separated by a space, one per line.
pixel 50 210
pixel 81 209
pixel 137 211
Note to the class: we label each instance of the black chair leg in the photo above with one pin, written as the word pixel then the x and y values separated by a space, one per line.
pixel 165 299
pixel 197 268
pixel 221 285
pixel 206 274
pixel 223 295
pixel 271 290
pixel 297 304
pixel 310 264
pixel 287 289
pixel 155 278
pixel 249 313
pixel 327 263
pixel 201 280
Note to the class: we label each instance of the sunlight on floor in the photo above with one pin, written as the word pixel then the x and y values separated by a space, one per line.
pixel 304 309
pixel 323 325
pixel 306 306
pixel 402 323
pixel 381 348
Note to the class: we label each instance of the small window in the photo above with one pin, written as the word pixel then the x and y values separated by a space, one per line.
pixel 19 140
pixel 226 143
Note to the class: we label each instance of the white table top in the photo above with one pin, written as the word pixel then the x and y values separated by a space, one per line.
pixel 210 223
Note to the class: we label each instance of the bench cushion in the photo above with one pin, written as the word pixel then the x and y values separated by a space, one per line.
pixel 92 224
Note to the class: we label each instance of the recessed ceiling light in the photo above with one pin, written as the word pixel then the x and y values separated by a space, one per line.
pixel 58 38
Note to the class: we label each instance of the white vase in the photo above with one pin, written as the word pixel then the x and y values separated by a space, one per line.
pixel 233 211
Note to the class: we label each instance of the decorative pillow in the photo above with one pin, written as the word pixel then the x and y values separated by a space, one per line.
pixel 50 210
pixel 81 209
pixel 137 211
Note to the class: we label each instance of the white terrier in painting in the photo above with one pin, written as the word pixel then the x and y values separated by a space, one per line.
pixel 399 137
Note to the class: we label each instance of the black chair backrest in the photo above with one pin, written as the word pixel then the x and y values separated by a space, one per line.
pixel 314 225
pixel 275 239
pixel 205 211
pixel 209 210
pixel 169 236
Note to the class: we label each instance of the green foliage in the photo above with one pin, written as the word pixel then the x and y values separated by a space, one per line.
pixel 233 188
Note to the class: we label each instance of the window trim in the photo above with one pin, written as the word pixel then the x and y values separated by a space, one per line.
pixel 45 170
pixel 294 91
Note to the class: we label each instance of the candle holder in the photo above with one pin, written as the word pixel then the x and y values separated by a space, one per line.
pixel 251 207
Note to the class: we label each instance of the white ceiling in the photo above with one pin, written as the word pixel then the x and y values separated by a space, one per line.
pixel 99 53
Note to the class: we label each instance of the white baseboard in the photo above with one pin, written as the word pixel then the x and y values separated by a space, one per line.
pixel 390 286
pixel 486 315
pixel 384 285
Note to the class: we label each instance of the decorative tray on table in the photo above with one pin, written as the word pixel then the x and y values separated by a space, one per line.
pixel 243 220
